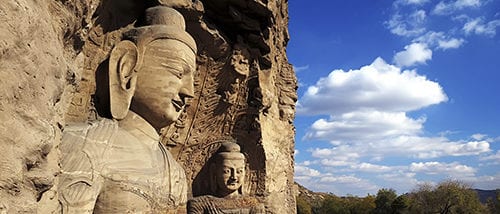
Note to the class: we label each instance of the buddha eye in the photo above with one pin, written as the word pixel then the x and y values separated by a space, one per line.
pixel 179 73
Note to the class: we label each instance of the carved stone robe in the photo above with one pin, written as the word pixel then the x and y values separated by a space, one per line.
pixel 208 204
pixel 109 168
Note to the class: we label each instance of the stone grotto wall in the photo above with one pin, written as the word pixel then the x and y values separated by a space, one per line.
pixel 245 89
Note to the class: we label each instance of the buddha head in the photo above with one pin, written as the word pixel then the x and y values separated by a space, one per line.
pixel 151 69
pixel 228 171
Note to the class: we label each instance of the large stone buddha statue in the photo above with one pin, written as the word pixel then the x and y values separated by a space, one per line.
pixel 116 164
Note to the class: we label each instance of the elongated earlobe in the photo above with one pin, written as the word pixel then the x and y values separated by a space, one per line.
pixel 123 63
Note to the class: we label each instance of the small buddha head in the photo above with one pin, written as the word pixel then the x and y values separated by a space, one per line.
pixel 228 171
pixel 151 71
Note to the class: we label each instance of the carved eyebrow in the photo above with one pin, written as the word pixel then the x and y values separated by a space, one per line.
pixel 175 71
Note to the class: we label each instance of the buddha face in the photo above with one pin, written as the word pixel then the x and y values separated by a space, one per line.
pixel 230 175
pixel 164 82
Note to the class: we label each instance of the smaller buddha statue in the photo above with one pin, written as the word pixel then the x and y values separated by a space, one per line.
pixel 227 176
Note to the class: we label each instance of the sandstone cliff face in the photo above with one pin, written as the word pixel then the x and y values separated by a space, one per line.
pixel 245 89
pixel 38 68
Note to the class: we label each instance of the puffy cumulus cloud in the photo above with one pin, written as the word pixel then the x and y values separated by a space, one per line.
pixel 479 27
pixel 407 25
pixel 415 53
pixel 452 169
pixel 451 43
pixel 428 147
pixel 374 125
pixel 469 148
pixel 446 8
pixel 377 87
pixel 439 40
pixel 306 172
pixel 409 146
pixel 368 118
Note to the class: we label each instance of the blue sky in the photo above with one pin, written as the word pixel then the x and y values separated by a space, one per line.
pixel 393 94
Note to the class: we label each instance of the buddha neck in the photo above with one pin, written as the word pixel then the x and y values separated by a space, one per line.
pixel 139 127
pixel 228 194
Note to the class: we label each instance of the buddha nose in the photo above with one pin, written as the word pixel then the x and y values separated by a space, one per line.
pixel 187 88
pixel 233 175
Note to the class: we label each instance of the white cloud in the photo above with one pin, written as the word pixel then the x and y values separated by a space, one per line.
pixel 407 25
pixel 347 184
pixel 333 162
pixel 492 159
pixel 439 40
pixel 446 8
pixel 415 53
pixel 469 148
pixel 368 167
pixel 374 125
pixel 479 27
pixel 340 179
pixel 485 181
pixel 399 180
pixel 412 2
pixel 368 119
pixel 327 182
pixel 306 163
pixel 478 136
pixel 375 87
pixel 467 3
pixel 397 146
pixel 300 68
pixel 304 171
pixel 452 169
pixel 449 44
pixel 347 153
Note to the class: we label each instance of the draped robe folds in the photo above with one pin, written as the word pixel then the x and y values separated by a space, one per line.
pixel 110 167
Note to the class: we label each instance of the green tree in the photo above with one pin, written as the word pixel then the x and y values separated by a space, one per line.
pixel 447 197
pixel 422 199
pixel 384 200
pixel 357 205
pixel 333 204
pixel 400 205
pixel 493 204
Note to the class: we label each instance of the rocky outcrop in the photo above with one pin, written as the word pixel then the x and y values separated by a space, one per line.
pixel 39 67
pixel 245 89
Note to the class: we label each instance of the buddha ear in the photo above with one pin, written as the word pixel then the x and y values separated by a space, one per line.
pixel 123 63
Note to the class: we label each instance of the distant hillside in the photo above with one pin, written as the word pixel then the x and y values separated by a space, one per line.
pixel 485 194
pixel 314 197
pixel 310 196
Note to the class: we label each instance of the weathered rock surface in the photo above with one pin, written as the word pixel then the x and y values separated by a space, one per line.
pixel 245 88
pixel 39 64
